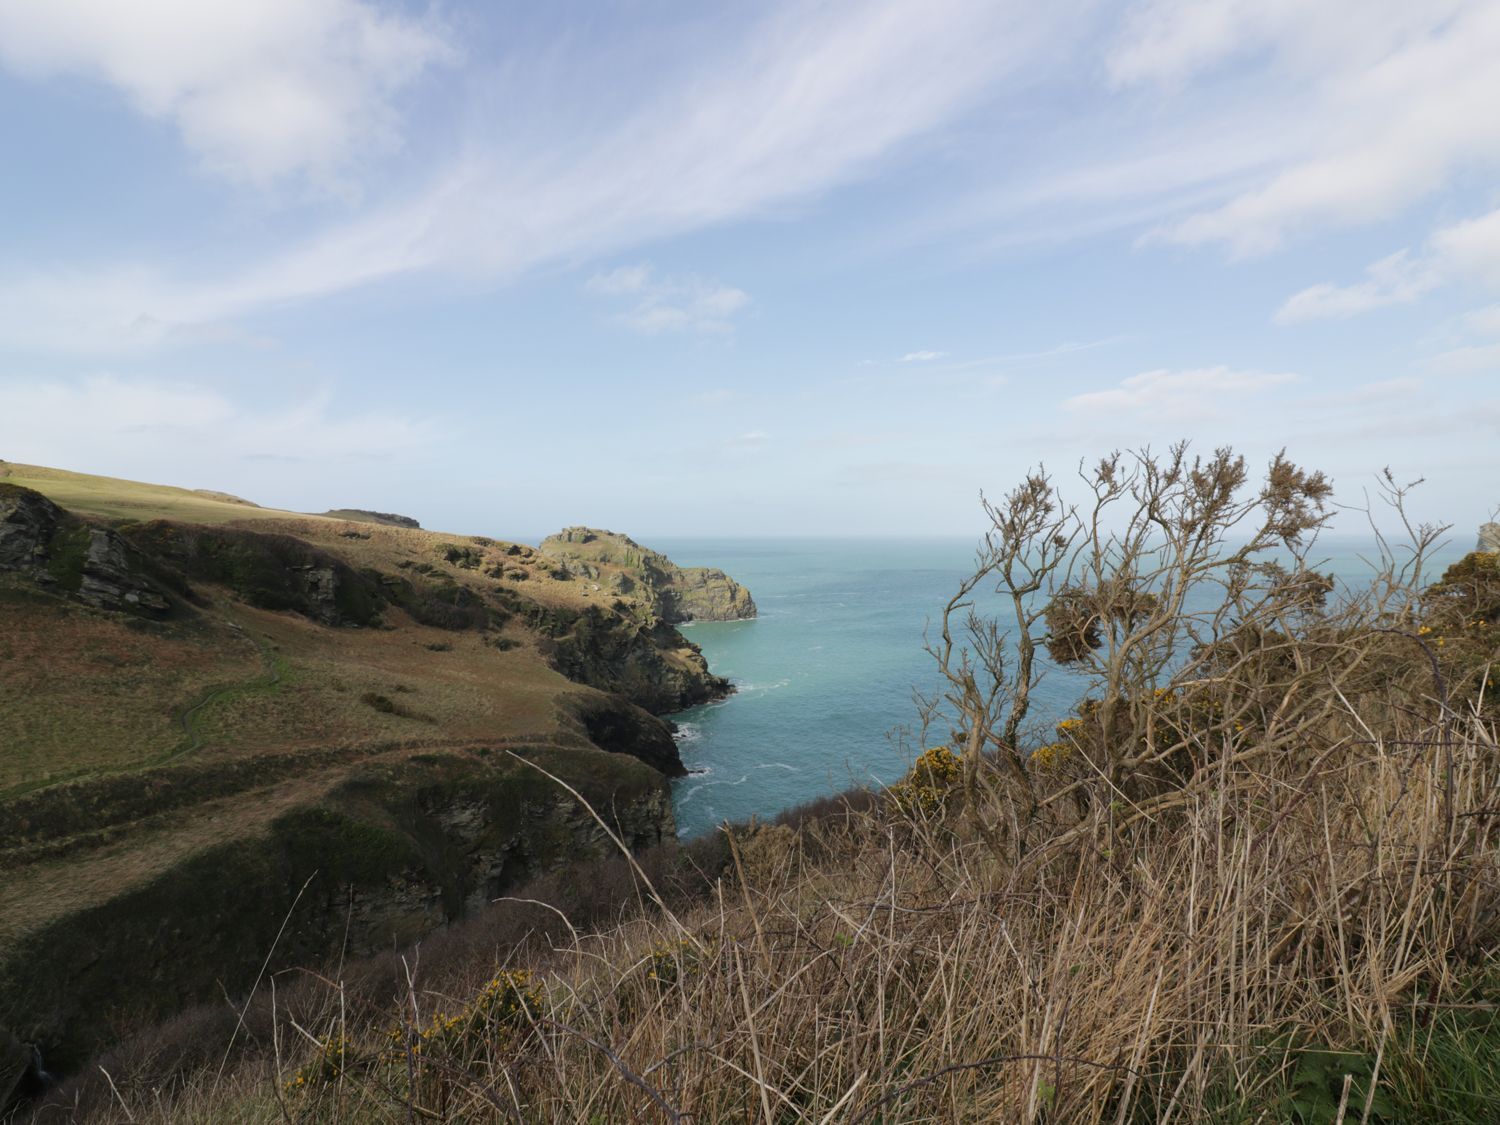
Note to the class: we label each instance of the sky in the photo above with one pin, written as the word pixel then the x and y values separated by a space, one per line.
pixel 746 268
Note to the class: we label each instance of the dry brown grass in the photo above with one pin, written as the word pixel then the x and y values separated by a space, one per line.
pixel 884 966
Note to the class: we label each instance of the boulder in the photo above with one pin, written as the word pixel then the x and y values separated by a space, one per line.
pixel 28 520
pixel 1489 537
pixel 109 579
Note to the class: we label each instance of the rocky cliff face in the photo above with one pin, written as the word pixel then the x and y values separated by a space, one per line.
pixel 675 594
pixel 93 564
pixel 1489 537
pixel 648 662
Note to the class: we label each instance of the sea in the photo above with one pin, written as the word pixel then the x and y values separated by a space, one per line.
pixel 826 678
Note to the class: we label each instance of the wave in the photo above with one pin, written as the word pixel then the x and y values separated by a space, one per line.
pixel 691 793
pixel 745 686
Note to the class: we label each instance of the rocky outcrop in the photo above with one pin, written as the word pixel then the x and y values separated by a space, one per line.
pixel 28 520
pixel 1489 537
pixel 110 581
pixel 269 571
pixel 91 563
pixel 701 593
pixel 676 594
pixel 648 662
pixel 616 725
pixel 363 515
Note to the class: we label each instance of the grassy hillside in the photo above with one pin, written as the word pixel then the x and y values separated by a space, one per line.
pixel 127 499
pixel 283 666
pixel 1253 877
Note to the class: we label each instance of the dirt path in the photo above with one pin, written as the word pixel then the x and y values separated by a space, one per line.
pixel 187 719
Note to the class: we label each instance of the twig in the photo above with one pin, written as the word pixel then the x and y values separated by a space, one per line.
pixel 673 1115
pixel 993 1060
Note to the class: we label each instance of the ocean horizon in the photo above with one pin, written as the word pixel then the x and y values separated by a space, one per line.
pixel 826 677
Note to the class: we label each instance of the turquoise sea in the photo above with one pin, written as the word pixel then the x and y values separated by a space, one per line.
pixel 825 676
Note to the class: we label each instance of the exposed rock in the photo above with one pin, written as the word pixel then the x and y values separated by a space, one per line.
pixel 1489 537
pixel 267 570
pixel 676 594
pixel 650 663
pixel 93 564
pixel 362 515
pixel 110 581
pixel 621 727
pixel 28 521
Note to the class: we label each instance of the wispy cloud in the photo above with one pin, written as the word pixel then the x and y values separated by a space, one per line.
pixel 1394 280
pixel 1385 83
pixel 1179 397
pixel 670 304
pixel 106 419
pixel 921 357
pixel 1468 250
pixel 805 99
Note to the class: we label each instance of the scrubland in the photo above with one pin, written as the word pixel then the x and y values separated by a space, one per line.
pixel 1252 877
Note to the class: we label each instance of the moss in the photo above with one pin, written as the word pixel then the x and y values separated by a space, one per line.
pixel 268 571
pixel 66 556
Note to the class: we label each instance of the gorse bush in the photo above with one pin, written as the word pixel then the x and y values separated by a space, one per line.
pixel 1253 876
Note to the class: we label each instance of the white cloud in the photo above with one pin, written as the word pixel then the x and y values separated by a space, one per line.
pixel 1393 88
pixel 1483 322
pixel 1394 280
pixel 921 357
pixel 1469 360
pixel 1380 392
pixel 622 279
pixel 670 304
pixel 1469 250
pixel 260 90
pixel 1179 396
pixel 108 421
pixel 805 99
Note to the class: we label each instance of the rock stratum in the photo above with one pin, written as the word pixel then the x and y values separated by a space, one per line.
pixel 219 720
pixel 676 595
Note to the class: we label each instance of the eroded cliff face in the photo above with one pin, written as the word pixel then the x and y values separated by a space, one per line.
pixel 93 564
pixel 675 594
pixel 647 661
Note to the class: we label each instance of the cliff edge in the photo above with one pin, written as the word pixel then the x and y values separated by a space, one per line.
pixel 227 731
pixel 675 594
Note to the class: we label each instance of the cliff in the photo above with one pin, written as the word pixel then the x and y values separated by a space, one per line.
pixel 1489 537
pixel 215 718
pixel 675 594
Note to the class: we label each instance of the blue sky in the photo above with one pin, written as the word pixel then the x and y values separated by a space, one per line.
pixel 745 268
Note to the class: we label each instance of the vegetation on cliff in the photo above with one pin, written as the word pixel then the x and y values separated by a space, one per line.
pixel 618 564
pixel 1253 877
pixel 229 728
